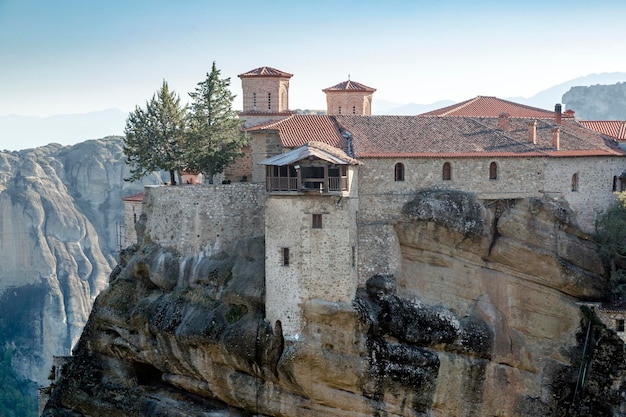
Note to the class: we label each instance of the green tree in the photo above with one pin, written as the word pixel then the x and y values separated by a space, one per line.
pixel 155 136
pixel 18 398
pixel 214 138
pixel 610 236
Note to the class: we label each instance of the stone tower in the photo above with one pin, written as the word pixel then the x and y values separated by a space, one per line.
pixel 349 97
pixel 265 95
pixel 310 233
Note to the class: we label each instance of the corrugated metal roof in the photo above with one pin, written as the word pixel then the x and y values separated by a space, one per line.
pixel 311 149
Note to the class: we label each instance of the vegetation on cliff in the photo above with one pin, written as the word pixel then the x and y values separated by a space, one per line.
pixel 204 137
pixel 155 136
pixel 611 238
pixel 17 397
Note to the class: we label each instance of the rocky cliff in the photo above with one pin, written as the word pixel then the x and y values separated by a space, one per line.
pixel 597 102
pixel 483 319
pixel 59 207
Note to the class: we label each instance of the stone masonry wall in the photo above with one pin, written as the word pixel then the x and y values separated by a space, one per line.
pixel 262 146
pixel 322 261
pixel 240 168
pixel 595 184
pixel 360 101
pixel 382 198
pixel 132 212
pixel 203 218
pixel 517 178
pixel 278 88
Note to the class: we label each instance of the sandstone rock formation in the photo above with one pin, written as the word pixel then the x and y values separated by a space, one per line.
pixel 482 320
pixel 597 102
pixel 59 207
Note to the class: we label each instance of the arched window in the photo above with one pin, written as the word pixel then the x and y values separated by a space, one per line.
pixel 575 182
pixel 447 171
pixel 269 101
pixel 399 172
pixel 339 112
pixel 493 171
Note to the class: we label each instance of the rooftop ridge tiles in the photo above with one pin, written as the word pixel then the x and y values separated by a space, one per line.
pixel 349 85
pixel 265 72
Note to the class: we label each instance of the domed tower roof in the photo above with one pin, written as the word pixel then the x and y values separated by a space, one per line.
pixel 349 86
pixel 349 97
pixel 265 95
pixel 265 72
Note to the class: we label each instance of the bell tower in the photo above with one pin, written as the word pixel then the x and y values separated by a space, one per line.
pixel 350 98
pixel 265 95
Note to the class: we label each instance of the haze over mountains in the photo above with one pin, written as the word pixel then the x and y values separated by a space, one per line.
pixel 22 132
pixel 545 99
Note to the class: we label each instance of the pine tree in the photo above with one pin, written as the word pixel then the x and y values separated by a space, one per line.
pixel 155 136
pixel 214 137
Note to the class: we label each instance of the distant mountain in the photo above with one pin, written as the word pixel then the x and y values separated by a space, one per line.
pixel 546 99
pixel 413 109
pixel 597 102
pixel 60 217
pixel 22 132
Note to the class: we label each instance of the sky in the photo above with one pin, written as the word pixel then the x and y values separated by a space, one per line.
pixel 77 56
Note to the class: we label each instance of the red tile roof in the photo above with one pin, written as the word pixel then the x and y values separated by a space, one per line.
pixel 265 72
pixel 349 86
pixel 138 197
pixel 613 128
pixel 434 136
pixel 484 106
pixel 300 129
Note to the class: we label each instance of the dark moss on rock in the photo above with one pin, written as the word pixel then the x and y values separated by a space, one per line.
pixel 456 210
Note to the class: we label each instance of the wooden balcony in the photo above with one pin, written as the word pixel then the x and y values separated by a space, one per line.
pixel 290 184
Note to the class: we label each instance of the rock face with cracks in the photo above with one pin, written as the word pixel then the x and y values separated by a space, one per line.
pixel 481 320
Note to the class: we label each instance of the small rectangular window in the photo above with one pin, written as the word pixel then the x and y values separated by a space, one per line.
pixel 316 221
pixel 619 325
pixel 285 256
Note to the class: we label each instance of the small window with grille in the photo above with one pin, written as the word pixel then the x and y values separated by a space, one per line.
pixel 284 254
pixel 316 221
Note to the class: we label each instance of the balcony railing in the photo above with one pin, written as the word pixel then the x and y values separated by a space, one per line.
pixel 308 184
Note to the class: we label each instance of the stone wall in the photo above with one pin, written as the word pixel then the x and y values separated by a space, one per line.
pixel 610 318
pixel 355 102
pixel 203 218
pixel 132 212
pixel 241 168
pixel 516 178
pixel 322 261
pixel 264 145
pixel 277 87
pixel 595 184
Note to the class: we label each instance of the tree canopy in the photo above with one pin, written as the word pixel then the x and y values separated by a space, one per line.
pixel 610 236
pixel 204 137
pixel 214 136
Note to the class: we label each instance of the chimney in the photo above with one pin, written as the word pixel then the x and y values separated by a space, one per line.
pixel 503 121
pixel 556 138
pixel 532 132
pixel 557 113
